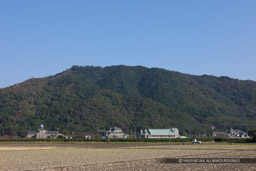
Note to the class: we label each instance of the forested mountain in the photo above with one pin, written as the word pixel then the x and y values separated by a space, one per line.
pixel 83 99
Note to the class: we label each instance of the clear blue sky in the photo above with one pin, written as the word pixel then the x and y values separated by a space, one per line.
pixel 42 38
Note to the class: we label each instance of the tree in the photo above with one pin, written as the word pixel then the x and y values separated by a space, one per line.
pixel 252 133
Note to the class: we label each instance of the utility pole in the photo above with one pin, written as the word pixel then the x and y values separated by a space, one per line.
pixel 169 131
pixel 135 130
pixel 98 130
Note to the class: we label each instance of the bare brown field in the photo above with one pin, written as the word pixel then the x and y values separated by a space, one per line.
pixel 119 156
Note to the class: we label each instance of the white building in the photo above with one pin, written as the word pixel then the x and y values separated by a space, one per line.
pixel 114 133
pixel 42 133
pixel 160 133
pixel 235 133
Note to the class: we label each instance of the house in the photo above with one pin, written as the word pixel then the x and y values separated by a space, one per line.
pixel 160 133
pixel 220 134
pixel 235 133
pixel 42 133
pixel 114 133
pixel 31 134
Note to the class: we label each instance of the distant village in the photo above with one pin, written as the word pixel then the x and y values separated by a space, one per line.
pixel 233 133
pixel 116 132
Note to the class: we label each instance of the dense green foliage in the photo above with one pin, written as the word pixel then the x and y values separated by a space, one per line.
pixel 83 99
pixel 252 133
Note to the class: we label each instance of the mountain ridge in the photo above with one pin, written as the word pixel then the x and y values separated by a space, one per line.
pixel 81 99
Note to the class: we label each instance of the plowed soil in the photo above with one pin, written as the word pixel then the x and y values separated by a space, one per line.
pixel 120 156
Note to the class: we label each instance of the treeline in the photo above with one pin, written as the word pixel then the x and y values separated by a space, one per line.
pixel 235 140
pixel 109 140
pixel 180 140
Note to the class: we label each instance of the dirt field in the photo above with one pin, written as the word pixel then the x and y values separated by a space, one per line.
pixel 120 156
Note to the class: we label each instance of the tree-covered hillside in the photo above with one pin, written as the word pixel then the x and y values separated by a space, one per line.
pixel 83 99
